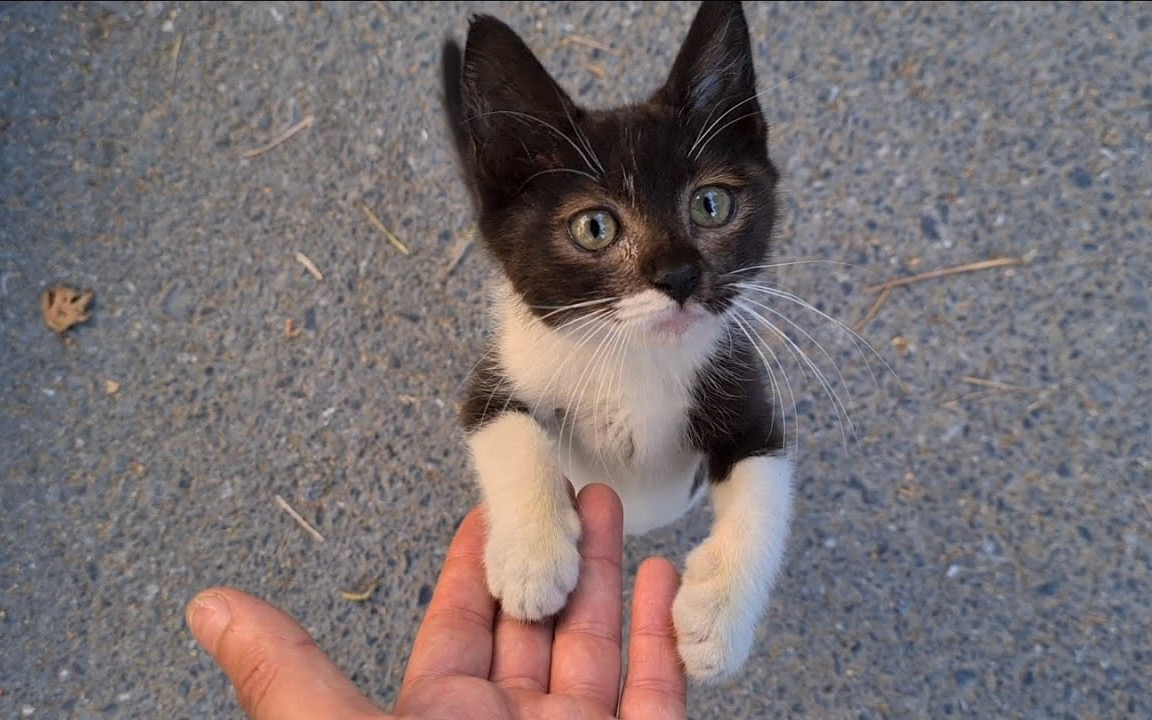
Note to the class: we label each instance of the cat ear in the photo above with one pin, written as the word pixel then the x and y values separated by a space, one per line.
pixel 714 68
pixel 517 116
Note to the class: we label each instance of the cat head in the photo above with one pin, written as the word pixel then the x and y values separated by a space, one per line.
pixel 645 215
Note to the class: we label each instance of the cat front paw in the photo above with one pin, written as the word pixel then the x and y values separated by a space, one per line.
pixel 715 615
pixel 532 566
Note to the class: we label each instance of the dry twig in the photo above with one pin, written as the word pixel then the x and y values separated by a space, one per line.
pixel 176 57
pixel 363 594
pixel 309 265
pixel 1144 502
pixel 872 311
pixel 596 70
pixel 282 137
pixel 299 520
pixel 460 249
pixel 994 385
pixel 375 221
pixel 589 43
pixel 944 272
pixel 290 329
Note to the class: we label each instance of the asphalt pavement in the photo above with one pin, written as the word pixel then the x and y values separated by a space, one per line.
pixel 973 527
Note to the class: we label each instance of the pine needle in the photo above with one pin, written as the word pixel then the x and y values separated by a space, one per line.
pixel 375 221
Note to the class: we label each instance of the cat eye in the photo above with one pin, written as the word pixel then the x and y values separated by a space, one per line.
pixel 593 229
pixel 711 206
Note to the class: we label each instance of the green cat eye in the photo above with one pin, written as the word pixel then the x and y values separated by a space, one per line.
pixel 593 229
pixel 711 206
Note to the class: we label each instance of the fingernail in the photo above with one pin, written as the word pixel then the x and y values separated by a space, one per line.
pixel 208 615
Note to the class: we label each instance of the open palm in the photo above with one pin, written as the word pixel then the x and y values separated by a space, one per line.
pixel 468 661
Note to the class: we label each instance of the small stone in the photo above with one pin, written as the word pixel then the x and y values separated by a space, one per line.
pixel 111 387
pixel 965 679
pixel 1080 177
pixel 901 344
pixel 928 227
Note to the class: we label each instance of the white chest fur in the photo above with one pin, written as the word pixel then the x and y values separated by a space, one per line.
pixel 616 409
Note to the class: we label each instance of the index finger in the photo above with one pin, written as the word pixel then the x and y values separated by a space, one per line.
pixel 456 635
pixel 655 685
pixel 586 649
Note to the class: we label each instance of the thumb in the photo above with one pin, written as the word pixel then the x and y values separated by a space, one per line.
pixel 276 668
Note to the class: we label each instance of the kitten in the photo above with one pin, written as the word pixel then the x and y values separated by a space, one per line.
pixel 617 354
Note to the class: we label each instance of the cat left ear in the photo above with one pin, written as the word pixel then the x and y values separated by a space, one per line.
pixel 714 66
pixel 512 106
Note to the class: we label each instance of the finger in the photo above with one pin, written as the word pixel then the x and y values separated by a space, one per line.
pixel 456 635
pixel 655 685
pixel 523 654
pixel 586 651
pixel 274 665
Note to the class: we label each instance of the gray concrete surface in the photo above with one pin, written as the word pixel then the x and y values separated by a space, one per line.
pixel 975 552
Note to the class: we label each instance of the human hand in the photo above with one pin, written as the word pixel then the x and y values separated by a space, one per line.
pixel 468 661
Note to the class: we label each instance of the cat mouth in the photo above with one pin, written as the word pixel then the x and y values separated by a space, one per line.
pixel 675 321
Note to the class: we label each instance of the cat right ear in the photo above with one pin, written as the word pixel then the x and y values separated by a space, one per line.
pixel 513 108
pixel 714 68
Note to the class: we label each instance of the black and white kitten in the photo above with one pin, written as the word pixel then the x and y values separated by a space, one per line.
pixel 617 355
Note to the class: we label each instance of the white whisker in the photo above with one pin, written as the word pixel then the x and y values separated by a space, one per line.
pixel 837 404
pixel 581 387
pixel 772 378
pixel 550 126
pixel 556 335
pixel 708 128
pixel 810 261
pixel 716 133
pixel 853 336
pixel 555 170
pixel 592 324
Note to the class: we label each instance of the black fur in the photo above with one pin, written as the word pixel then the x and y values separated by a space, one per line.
pixel 732 418
pixel 452 70
pixel 535 159
pixel 488 395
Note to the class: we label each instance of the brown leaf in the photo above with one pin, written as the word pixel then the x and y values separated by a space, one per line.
pixel 64 307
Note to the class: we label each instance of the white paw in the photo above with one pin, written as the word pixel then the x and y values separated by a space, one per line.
pixel 532 564
pixel 715 615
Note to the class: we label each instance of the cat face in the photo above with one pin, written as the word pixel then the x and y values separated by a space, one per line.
pixel 642 215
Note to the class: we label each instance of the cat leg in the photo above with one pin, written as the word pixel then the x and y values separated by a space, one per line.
pixel 728 577
pixel 531 556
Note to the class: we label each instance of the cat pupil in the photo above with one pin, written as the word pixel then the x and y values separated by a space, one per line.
pixel 594 227
pixel 710 203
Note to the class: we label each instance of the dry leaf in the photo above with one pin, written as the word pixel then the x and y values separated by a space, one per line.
pixel 64 307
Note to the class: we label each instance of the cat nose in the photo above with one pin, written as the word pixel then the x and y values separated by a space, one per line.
pixel 678 282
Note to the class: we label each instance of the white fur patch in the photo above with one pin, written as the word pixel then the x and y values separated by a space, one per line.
pixel 531 556
pixel 623 402
pixel 728 577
